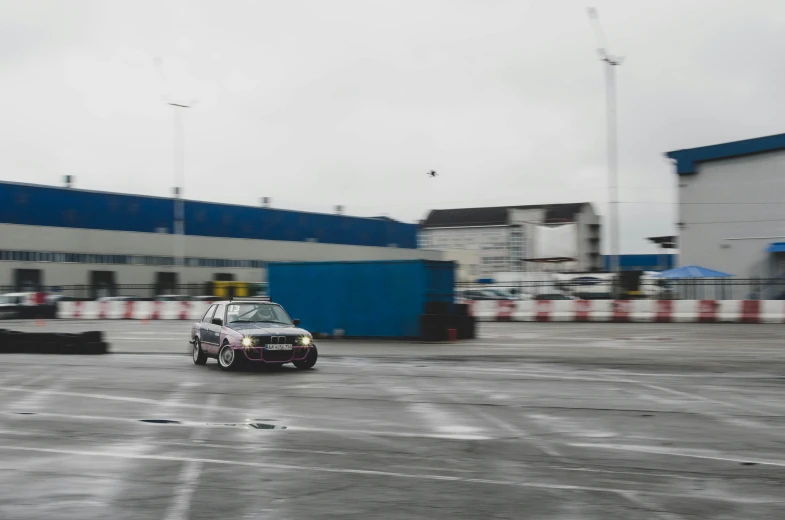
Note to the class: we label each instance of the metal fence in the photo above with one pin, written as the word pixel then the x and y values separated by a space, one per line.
pixel 670 289
pixel 141 292
pixel 676 289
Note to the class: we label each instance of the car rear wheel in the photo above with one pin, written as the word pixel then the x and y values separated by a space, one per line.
pixel 200 358
pixel 228 359
pixel 309 361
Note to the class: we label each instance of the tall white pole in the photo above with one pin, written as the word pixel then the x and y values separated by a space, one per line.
pixel 613 174
pixel 179 181
pixel 611 63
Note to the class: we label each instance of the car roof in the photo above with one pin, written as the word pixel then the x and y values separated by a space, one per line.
pixel 245 300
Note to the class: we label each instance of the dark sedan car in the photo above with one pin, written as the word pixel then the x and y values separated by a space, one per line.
pixel 251 331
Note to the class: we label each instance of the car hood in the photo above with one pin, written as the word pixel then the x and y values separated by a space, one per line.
pixel 267 328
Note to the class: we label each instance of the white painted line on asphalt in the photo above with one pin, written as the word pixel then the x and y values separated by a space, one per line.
pixel 383 433
pixel 188 479
pixel 340 431
pixel 543 446
pixel 388 474
pixel 676 452
pixel 35 398
pixel 504 426
pixel 646 505
pixel 440 420
pixel 251 448
pixel 25 384
pixel 696 397
pixel 192 406
pixel 560 425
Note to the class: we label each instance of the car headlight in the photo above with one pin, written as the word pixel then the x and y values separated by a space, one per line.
pixel 247 342
pixel 305 340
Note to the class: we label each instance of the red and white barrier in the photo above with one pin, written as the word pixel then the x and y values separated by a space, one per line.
pixel 632 311
pixel 121 310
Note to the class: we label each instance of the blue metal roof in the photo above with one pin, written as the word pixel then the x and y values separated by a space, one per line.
pixel 776 247
pixel 687 160
pixel 35 205
pixel 693 271
pixel 650 262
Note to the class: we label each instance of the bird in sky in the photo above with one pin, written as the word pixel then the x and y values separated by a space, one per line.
pixel 432 173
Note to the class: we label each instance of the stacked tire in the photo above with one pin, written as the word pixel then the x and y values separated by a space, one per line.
pixel 13 342
pixel 441 317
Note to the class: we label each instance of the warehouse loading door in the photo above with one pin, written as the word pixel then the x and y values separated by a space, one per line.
pixel 102 284
pixel 28 280
pixel 165 283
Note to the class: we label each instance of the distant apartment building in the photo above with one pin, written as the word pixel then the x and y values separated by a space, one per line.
pixel 518 238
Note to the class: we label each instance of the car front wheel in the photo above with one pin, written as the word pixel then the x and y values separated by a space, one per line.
pixel 200 358
pixel 309 361
pixel 228 359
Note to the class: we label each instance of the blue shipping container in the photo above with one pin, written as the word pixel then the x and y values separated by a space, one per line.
pixel 364 299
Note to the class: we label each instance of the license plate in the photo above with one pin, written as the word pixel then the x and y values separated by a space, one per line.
pixel 279 346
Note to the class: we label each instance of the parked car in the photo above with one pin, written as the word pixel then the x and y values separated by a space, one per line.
pixel 207 298
pixel 481 294
pixel 23 305
pixel 251 331
pixel 53 299
pixel 554 296
pixel 173 298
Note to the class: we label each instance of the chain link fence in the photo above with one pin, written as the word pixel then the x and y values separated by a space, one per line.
pixel 139 292
pixel 661 289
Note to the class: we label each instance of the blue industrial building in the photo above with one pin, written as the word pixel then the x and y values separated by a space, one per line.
pixel 58 236
pixel 34 205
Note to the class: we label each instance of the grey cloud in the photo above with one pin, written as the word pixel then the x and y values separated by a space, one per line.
pixel 351 102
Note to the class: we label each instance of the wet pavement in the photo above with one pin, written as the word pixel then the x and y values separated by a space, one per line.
pixel 540 421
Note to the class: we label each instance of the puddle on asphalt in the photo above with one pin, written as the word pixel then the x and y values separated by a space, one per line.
pixel 644 338
pixel 253 425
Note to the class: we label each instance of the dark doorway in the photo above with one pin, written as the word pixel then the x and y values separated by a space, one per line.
pixel 28 280
pixel 102 284
pixel 165 283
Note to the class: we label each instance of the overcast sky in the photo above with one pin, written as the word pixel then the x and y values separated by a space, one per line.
pixel 317 103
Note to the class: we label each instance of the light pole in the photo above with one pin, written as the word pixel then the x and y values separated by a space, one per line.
pixel 610 64
pixel 179 181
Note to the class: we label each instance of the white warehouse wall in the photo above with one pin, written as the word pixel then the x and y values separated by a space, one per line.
pixel 732 210
pixel 73 240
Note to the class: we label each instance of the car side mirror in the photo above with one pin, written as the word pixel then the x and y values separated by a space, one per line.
pixel 296 323
pixel 218 321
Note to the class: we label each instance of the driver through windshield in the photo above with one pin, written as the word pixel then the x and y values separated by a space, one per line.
pixel 256 312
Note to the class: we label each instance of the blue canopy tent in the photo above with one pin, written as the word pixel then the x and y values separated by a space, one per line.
pixel 692 271
pixel 693 289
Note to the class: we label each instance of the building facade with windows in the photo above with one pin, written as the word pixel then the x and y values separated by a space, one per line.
pixel 731 210
pixel 52 236
pixel 509 239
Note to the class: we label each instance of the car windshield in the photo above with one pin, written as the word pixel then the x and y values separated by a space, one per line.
pixel 256 312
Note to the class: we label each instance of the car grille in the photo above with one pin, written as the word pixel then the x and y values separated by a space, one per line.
pixel 276 356
pixel 260 341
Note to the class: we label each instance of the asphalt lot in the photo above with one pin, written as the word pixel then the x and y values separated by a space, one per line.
pixel 532 420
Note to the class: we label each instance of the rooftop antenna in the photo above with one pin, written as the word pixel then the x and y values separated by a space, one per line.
pixel 610 63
